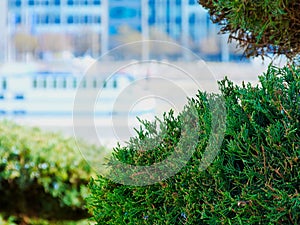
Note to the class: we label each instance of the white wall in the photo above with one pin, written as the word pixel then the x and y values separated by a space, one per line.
pixel 3 30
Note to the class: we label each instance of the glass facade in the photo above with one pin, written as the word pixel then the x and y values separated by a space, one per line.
pixel 182 21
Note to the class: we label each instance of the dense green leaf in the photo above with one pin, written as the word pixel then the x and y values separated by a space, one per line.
pixel 255 179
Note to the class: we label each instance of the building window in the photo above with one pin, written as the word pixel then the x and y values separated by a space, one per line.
pixel 44 83
pixel 48 19
pixel 4 84
pixel 70 19
pixel 64 83
pixel 18 3
pixel 30 2
pixel 45 2
pixel 56 19
pixel 122 12
pixel 97 2
pixel 115 83
pixel 95 83
pixel 151 20
pixel 192 19
pixel 87 19
pixel 178 20
pixel 97 19
pixel 151 2
pixel 56 2
pixel 19 97
pixel 39 19
pixel 17 19
pixel 55 83
pixel 35 83
pixel 14 3
pixel 74 83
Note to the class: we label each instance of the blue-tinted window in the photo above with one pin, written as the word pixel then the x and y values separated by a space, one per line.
pixel 47 19
pixel 81 2
pixel 18 3
pixel 38 18
pixel 97 2
pixel 70 2
pixel 57 19
pixel 19 97
pixel 18 19
pixel 70 19
pixel 4 84
pixel 192 19
pixel 14 3
pixel 122 12
pixel 30 2
pixel 191 2
pixel 178 2
pixel 56 2
pixel 43 19
pixel 151 2
pixel 178 20
pixel 168 30
pixel 86 19
pixel 151 20
pixel 74 19
pixel 97 19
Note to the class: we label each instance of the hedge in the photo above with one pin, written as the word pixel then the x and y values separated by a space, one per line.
pixel 255 178
pixel 42 175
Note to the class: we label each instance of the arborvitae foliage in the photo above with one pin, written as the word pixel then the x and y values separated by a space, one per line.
pixel 255 178
pixel 260 27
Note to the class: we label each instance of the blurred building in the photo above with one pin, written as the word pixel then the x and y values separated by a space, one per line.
pixel 95 26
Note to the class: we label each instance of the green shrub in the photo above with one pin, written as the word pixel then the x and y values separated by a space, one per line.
pixel 41 174
pixel 254 179
pixel 260 27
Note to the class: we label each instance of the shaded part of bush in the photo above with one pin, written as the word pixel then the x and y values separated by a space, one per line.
pixel 42 174
pixel 34 202
pixel 260 27
pixel 255 179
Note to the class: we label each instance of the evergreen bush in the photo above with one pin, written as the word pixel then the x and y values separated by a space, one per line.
pixel 42 174
pixel 255 178
pixel 260 27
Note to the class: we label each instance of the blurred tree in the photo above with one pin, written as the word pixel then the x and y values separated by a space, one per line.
pixel 86 42
pixel 127 34
pixel 25 43
pixel 55 42
pixel 260 27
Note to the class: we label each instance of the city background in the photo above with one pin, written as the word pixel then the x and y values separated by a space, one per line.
pixel 49 41
pixel 52 29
